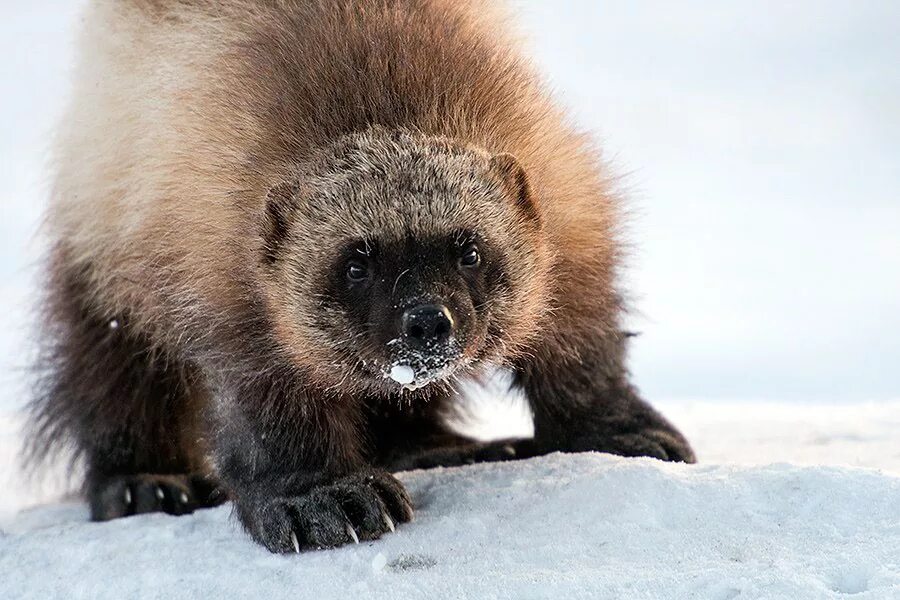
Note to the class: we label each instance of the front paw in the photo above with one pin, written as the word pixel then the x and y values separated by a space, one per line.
pixel 655 442
pixel 362 506
pixel 627 427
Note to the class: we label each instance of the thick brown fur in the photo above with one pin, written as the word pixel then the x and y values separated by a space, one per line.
pixel 215 160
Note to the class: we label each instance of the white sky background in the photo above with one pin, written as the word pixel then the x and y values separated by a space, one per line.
pixel 761 144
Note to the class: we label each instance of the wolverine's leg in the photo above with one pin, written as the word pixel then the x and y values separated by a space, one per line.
pixel 123 406
pixel 582 401
pixel 291 459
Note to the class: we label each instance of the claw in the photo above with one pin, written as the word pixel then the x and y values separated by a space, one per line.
pixel 127 496
pixel 352 533
pixel 388 521
pixel 295 542
pixel 183 497
pixel 160 495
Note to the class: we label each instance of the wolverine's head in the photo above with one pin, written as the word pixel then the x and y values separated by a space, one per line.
pixel 397 260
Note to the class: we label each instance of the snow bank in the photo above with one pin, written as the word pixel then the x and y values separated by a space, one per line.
pixel 562 526
pixel 864 434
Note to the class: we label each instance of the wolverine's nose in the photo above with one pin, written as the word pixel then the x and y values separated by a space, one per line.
pixel 427 323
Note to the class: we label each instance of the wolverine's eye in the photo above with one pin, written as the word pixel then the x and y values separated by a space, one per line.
pixel 470 257
pixel 357 270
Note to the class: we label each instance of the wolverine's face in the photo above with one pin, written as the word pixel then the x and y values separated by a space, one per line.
pixel 408 261
pixel 419 307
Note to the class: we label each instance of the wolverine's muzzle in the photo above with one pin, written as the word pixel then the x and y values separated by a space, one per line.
pixel 427 346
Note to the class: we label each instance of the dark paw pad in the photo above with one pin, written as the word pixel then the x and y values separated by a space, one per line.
pixel 126 495
pixel 362 506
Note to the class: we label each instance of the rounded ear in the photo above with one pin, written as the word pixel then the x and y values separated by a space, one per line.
pixel 515 182
pixel 276 221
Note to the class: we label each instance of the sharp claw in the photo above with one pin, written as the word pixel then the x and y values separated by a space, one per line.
pixel 183 497
pixel 295 542
pixel 127 496
pixel 388 521
pixel 160 495
pixel 352 533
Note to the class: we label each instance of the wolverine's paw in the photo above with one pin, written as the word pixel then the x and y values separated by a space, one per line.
pixel 363 506
pixel 656 443
pixel 125 495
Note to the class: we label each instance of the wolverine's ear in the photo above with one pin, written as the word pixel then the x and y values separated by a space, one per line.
pixel 515 181
pixel 276 221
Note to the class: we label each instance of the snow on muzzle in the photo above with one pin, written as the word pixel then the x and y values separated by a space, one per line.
pixel 414 367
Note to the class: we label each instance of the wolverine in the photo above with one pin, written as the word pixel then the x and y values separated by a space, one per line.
pixel 281 232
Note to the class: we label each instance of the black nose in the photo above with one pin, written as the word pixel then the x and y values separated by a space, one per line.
pixel 427 323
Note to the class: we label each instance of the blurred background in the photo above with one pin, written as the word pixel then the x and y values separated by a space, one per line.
pixel 760 148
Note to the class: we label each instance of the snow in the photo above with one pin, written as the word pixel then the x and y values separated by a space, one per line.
pixel 580 526
pixel 402 374
pixel 741 524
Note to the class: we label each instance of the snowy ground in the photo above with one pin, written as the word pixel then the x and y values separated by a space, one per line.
pixel 743 524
